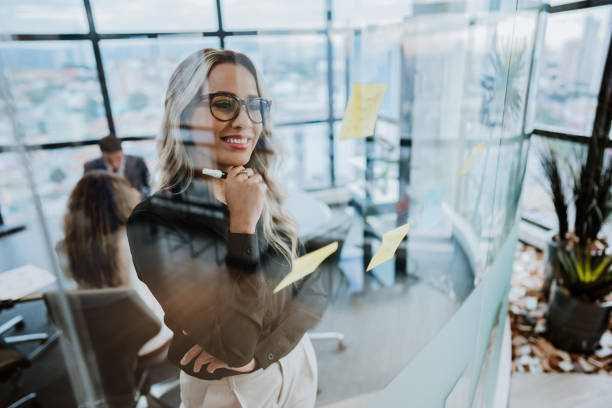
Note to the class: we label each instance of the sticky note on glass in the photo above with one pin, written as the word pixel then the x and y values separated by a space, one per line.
pixel 305 265
pixel 469 162
pixel 362 110
pixel 390 242
pixel 432 208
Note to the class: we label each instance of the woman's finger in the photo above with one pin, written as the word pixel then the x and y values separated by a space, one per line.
pixel 216 364
pixel 234 171
pixel 203 358
pixel 256 179
pixel 194 351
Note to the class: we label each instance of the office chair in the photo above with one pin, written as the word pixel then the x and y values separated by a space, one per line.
pixel 13 362
pixel 113 324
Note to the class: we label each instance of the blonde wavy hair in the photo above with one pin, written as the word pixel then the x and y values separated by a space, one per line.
pixel 175 163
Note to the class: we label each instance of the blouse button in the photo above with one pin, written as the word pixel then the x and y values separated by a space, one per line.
pixel 270 356
pixel 248 250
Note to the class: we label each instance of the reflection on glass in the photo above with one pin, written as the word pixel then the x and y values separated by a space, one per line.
pixel 294 69
pixel 305 162
pixel 349 159
pixel 116 16
pixel 340 44
pixel 6 128
pixel 375 58
pixel 48 17
pixel 536 204
pixel 144 149
pixel 575 49
pixel 362 13
pixel 56 89
pixel 238 15
pixel 55 172
pixel 447 157
pixel 137 73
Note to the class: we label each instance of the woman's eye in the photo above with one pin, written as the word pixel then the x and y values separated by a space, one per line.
pixel 223 104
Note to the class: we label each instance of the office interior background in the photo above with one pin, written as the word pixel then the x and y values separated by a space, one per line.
pixel 476 90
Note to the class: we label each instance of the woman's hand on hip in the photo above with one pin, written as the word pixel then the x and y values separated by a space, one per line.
pixel 203 358
pixel 244 192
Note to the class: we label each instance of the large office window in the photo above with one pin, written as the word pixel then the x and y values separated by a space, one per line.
pixel 56 90
pixel 34 16
pixel 302 55
pixel 137 74
pixel 576 44
pixel 238 15
pixel 154 16
pixel 575 49
pixel 295 70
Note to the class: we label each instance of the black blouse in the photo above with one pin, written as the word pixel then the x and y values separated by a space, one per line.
pixel 216 286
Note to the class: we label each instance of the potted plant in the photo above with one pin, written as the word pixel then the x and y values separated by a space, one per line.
pixel 556 190
pixel 579 260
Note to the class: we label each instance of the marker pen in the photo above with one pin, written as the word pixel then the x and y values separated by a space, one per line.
pixel 214 173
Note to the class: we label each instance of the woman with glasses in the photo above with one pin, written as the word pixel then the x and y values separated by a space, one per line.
pixel 212 249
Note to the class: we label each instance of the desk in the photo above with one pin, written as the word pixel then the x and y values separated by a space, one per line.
pixel 48 376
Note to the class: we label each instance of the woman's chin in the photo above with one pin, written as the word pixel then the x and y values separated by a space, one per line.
pixel 232 163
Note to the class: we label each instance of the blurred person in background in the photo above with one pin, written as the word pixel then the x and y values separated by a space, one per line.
pixel 133 168
pixel 95 252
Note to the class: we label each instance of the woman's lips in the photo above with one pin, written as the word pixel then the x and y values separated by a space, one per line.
pixel 236 142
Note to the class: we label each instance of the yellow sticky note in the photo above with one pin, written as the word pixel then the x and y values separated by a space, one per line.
pixel 469 162
pixel 390 242
pixel 305 265
pixel 362 110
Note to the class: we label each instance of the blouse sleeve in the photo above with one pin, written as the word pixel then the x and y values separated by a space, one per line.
pixel 200 294
pixel 220 291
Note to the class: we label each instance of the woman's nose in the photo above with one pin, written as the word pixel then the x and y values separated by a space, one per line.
pixel 242 119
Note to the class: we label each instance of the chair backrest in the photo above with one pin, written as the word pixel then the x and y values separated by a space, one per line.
pixel 112 325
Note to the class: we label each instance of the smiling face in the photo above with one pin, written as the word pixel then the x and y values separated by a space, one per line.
pixel 232 142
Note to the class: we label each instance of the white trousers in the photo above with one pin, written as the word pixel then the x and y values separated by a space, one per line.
pixel 288 383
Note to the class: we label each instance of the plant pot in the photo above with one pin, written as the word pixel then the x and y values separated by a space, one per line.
pixel 551 267
pixel 575 325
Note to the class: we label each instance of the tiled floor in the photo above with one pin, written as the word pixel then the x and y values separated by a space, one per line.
pixel 560 391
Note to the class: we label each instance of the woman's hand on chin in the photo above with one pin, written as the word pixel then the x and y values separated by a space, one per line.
pixel 244 192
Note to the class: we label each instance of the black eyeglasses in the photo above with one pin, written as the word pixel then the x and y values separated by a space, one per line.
pixel 225 106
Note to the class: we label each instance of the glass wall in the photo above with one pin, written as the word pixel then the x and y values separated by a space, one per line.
pixel 401 134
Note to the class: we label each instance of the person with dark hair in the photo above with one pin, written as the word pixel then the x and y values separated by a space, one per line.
pixel 95 252
pixel 133 168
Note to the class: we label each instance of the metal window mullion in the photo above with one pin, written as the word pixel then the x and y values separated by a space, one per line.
pixel 95 39
pixel 220 31
pixel 578 5
pixel 600 138
pixel 330 91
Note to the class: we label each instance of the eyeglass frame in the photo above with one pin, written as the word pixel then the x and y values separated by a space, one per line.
pixel 241 103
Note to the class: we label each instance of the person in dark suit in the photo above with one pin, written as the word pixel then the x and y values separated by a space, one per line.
pixel 133 168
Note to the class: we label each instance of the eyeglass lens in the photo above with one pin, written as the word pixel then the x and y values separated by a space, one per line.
pixel 225 107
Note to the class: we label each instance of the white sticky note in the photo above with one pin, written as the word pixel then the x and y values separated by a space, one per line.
pixel 22 281
pixel 305 265
pixel 362 110
pixel 390 242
